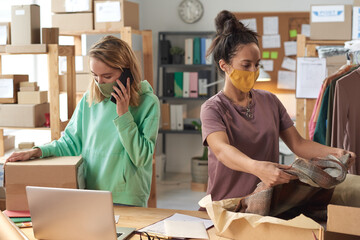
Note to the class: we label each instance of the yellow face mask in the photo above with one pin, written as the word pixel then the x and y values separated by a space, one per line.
pixel 243 80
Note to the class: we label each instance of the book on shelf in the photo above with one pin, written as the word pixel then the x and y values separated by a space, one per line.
pixel 204 78
pixel 168 85
pixel 193 84
pixel 177 115
pixel 208 60
pixel 165 116
pixel 186 84
pixel 189 51
pixel 178 85
pixel 197 50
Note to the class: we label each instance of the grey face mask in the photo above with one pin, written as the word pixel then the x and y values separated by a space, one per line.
pixel 105 88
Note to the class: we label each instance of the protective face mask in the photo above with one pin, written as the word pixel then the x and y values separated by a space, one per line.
pixel 243 80
pixel 105 88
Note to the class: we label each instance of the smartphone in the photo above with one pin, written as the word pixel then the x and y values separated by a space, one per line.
pixel 123 79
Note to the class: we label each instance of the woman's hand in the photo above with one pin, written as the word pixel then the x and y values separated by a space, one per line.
pixel 24 155
pixel 272 173
pixel 122 97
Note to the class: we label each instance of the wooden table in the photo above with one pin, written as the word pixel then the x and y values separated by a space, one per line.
pixel 138 217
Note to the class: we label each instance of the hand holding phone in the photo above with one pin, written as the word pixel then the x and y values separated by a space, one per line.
pixel 123 79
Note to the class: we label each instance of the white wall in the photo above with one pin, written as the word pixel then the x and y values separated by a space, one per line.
pixel 161 15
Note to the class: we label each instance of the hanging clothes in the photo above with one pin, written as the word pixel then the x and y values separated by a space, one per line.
pixel 346 114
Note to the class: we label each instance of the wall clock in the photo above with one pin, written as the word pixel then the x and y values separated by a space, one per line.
pixel 190 11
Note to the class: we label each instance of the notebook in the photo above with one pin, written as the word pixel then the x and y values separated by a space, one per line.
pixel 62 213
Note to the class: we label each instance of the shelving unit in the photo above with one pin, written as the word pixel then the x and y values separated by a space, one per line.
pixel 304 106
pixel 53 52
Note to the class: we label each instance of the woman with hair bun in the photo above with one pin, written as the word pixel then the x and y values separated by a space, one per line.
pixel 115 138
pixel 241 125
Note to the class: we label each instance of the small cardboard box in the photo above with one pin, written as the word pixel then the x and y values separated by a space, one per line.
pixel 9 142
pixel 50 35
pixel 12 115
pixel 26 145
pixel 29 89
pixel 5 33
pixel 330 22
pixel 63 6
pixel 82 81
pixel 32 97
pixel 25 24
pixel 62 172
pixel 115 14
pixel 342 219
pixel 67 22
pixel 9 85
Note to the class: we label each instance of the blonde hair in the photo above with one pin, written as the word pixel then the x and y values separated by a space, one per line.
pixel 117 54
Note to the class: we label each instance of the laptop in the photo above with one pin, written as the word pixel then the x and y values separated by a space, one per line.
pixel 63 213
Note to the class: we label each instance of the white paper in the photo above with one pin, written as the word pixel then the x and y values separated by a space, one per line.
pixel 6 88
pixel 305 29
pixel 271 41
pixel 3 35
pixel 356 23
pixel 311 72
pixel 268 65
pixel 270 25
pixel 290 48
pixel 185 229
pixel 107 12
pixel 77 5
pixel 159 227
pixel 250 23
pixel 286 80
pixel 328 13
pixel 289 63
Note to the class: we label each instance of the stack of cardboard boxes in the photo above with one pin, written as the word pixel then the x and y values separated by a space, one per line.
pixel 86 15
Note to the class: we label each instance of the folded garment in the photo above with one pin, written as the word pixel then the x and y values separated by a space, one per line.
pixel 310 194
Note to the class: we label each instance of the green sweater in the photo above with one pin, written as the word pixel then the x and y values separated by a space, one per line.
pixel 118 151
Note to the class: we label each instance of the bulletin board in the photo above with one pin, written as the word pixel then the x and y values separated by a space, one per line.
pixel 289 25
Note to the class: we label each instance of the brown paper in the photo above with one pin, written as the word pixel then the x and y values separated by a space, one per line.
pixel 9 230
pixel 252 226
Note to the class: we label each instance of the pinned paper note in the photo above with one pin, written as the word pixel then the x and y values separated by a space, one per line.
pixel 6 88
pixel 290 48
pixel 289 63
pixel 268 65
pixel 293 33
pixel 286 80
pixel 250 23
pixel 271 41
pixel 305 29
pixel 274 55
pixel 271 25
pixel 266 54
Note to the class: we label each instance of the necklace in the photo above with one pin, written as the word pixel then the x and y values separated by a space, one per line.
pixel 248 110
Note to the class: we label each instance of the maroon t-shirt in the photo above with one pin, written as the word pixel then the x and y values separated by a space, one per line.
pixel 257 137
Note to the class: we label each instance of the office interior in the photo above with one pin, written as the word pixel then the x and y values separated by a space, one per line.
pixel 174 186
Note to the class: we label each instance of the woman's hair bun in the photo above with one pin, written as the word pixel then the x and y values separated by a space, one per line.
pixel 226 23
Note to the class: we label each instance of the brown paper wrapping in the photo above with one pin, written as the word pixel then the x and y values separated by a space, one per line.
pixel 236 225
pixel 9 230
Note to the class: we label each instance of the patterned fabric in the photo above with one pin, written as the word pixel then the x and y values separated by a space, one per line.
pixel 309 195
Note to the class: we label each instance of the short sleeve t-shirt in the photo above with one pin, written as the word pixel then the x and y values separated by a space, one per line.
pixel 257 137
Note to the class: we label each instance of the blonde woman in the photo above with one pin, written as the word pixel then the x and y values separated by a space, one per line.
pixel 116 141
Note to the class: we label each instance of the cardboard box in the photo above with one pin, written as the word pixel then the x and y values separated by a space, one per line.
pixel 9 85
pixel 12 115
pixel 5 37
pixel 2 48
pixel 342 219
pixel 28 84
pixel 63 172
pixel 334 63
pixel 67 22
pixel 330 22
pixel 31 48
pixel 50 35
pixel 9 142
pixel 82 81
pixel 34 97
pixel 26 145
pixel 29 89
pixel 63 6
pixel 25 24
pixel 115 14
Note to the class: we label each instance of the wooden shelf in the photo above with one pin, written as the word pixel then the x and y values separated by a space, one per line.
pixel 79 33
